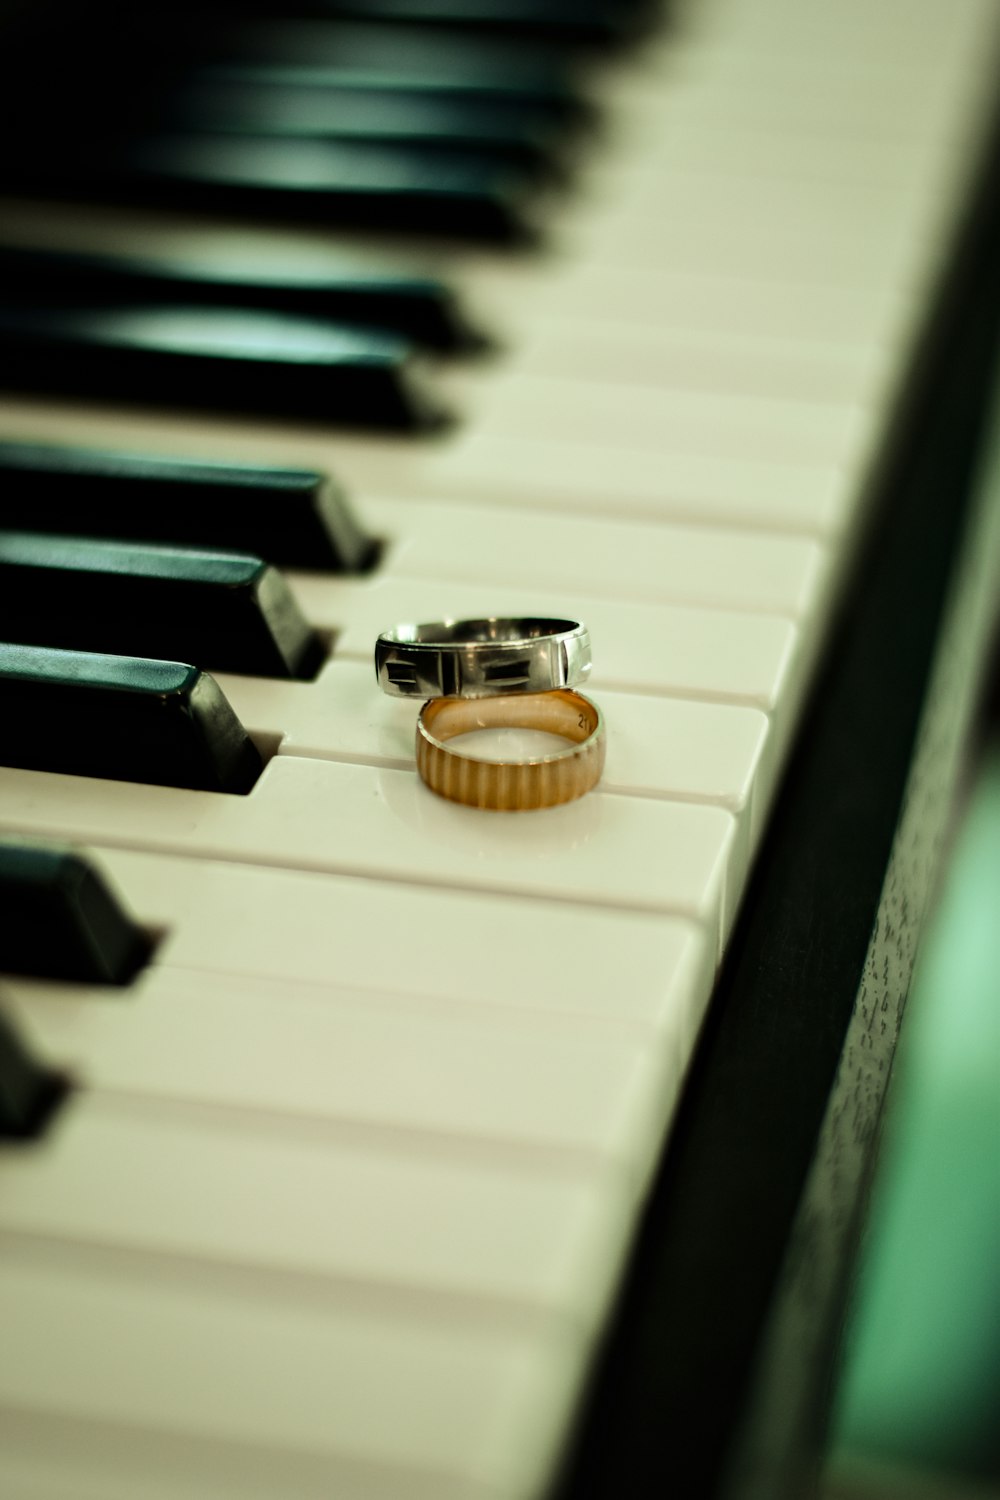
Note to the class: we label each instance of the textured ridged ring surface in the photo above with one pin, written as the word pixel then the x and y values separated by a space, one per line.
pixel 512 785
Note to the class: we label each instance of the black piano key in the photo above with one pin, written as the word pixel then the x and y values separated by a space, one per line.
pixel 29 1092
pixel 443 60
pixel 272 102
pixel 417 308
pixel 500 98
pixel 524 107
pixel 217 358
pixel 124 718
pixel 571 22
pixel 397 188
pixel 226 611
pixel 61 920
pixel 293 517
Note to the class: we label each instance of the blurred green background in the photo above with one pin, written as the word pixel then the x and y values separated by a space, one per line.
pixel 917 1410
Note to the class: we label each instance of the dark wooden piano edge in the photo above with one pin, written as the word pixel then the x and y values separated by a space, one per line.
pixel 716 1379
pixel 780 1443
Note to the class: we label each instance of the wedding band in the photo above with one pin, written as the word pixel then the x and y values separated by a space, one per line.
pixel 511 786
pixel 477 658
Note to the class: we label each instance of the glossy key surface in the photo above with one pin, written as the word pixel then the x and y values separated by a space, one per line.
pixel 593 21
pixel 273 102
pixel 445 60
pixel 219 358
pixel 331 285
pixel 295 516
pixel 228 611
pixel 122 717
pixel 571 22
pixel 395 187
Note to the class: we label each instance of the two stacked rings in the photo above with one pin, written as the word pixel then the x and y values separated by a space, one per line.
pixel 490 674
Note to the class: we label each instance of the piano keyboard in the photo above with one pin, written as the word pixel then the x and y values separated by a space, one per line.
pixel 344 1195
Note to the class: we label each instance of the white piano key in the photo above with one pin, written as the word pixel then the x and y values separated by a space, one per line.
pixel 665 562
pixel 292 1384
pixel 817 90
pixel 328 928
pixel 357 1070
pixel 902 42
pixel 851 211
pixel 586 348
pixel 55 1457
pixel 814 166
pixel 683 223
pixel 662 747
pixel 609 483
pixel 592 410
pixel 792 309
pixel 342 716
pixel 606 482
pixel 668 141
pixel 765 252
pixel 720 655
pixel 378 822
pixel 668 747
pixel 693 751
pixel 211 1185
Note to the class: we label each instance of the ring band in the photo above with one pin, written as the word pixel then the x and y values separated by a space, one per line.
pixel 478 658
pixel 511 786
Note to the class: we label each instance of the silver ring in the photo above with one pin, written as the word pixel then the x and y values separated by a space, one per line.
pixel 481 658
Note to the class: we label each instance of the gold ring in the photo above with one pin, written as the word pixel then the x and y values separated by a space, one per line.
pixel 506 785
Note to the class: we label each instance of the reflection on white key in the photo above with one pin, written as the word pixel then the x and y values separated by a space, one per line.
pixel 669 747
pixel 509 742
pixel 326 815
pixel 656 747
